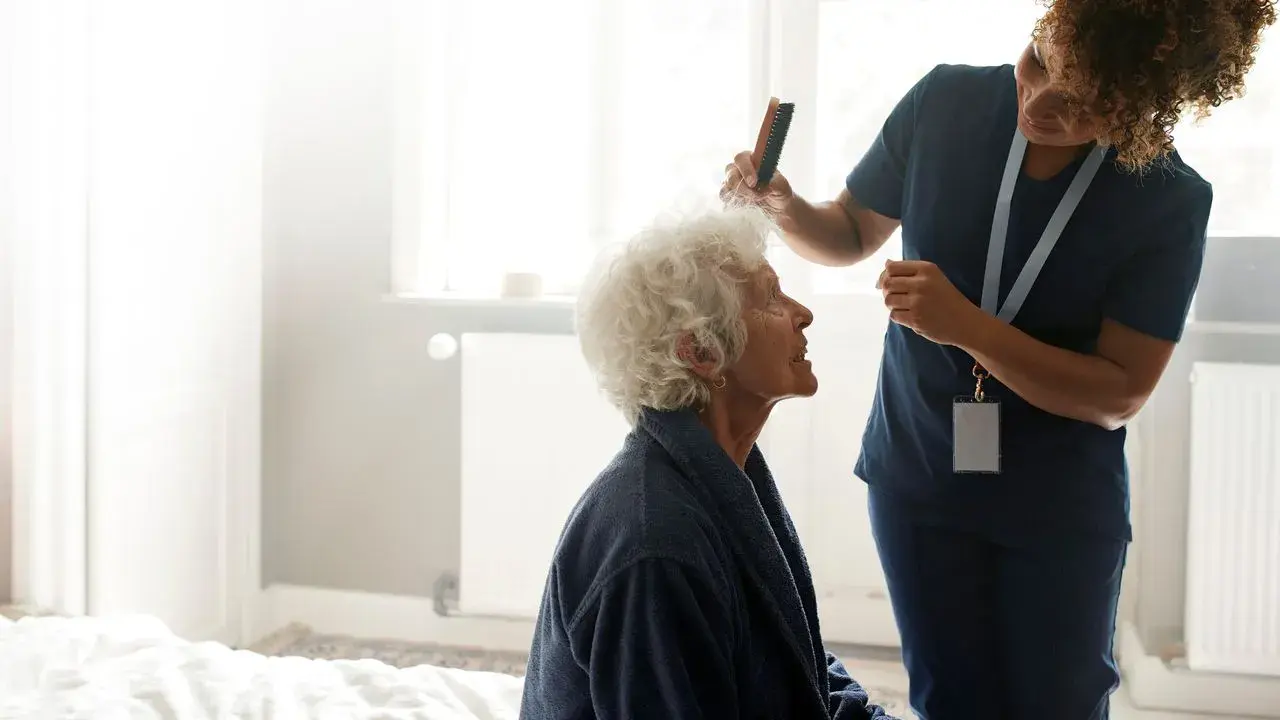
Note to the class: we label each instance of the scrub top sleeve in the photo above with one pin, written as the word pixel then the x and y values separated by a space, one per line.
pixel 878 181
pixel 1152 290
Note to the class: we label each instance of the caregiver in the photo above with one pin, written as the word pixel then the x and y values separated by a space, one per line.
pixel 1053 240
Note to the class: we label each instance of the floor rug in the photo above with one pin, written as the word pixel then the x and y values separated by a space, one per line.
pixel 883 679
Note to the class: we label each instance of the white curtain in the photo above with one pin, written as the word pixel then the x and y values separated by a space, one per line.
pixel 136 132
pixel 49 199
pixel 6 301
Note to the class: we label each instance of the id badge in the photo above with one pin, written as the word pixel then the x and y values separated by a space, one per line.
pixel 975 435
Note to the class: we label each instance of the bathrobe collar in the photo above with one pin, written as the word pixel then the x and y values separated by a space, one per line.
pixel 756 526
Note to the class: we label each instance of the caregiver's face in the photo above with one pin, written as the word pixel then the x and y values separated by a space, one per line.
pixel 773 365
pixel 1046 114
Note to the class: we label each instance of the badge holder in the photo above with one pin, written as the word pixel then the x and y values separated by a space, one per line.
pixel 976 430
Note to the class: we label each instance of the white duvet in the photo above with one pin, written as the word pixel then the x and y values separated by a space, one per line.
pixel 135 668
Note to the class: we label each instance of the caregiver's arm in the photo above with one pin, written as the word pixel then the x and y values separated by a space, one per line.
pixel 1144 310
pixel 837 233
pixel 657 640
pixel 846 230
pixel 1106 388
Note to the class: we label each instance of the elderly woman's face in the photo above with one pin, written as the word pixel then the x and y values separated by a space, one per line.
pixel 773 364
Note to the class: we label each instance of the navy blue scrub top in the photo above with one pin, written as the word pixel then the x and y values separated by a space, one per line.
pixel 1132 253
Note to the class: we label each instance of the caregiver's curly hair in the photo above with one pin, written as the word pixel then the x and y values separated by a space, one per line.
pixel 1151 61
pixel 678 282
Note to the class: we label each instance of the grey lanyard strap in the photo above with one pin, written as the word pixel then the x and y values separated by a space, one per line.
pixel 1053 231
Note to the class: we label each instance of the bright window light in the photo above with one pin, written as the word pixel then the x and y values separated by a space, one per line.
pixel 571 123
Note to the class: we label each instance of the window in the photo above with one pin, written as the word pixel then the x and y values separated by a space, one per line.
pixel 567 124
pixel 1237 150
pixel 550 129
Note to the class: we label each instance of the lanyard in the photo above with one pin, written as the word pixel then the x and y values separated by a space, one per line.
pixel 1053 231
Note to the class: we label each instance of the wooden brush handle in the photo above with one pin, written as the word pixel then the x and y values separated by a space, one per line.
pixel 763 138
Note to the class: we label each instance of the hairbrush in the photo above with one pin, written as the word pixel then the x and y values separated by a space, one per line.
pixel 773 133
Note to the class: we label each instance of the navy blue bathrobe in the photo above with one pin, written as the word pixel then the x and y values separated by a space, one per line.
pixel 679 590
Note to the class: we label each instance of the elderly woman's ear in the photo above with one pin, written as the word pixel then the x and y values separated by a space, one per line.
pixel 702 361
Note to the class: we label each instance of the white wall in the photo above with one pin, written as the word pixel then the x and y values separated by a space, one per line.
pixel 361 441
pixel 361 434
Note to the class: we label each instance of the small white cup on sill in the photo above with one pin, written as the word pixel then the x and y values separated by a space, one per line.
pixel 521 285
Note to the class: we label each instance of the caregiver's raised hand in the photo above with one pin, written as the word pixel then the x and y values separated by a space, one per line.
pixel 740 186
pixel 836 233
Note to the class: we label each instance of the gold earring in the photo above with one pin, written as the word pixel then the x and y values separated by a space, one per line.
pixel 720 383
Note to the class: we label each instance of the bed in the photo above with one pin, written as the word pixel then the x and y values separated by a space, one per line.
pixel 134 667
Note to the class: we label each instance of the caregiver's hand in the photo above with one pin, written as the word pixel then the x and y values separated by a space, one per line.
pixel 740 186
pixel 920 297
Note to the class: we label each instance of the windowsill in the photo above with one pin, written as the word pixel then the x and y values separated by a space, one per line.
pixel 488 302
pixel 555 303
pixel 1218 327
pixel 565 303
pixel 464 313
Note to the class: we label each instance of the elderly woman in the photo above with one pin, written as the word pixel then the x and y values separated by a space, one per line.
pixel 679 588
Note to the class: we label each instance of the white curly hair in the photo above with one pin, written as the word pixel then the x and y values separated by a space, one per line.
pixel 680 278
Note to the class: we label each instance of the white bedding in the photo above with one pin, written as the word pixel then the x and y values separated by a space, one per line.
pixel 135 668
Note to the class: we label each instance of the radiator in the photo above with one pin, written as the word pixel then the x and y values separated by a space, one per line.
pixel 1233 535
pixel 535 434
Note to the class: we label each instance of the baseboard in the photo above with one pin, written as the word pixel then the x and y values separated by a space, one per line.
pixel 1152 684
pixel 859 618
pixel 384 617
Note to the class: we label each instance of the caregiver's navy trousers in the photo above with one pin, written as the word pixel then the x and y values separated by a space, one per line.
pixel 997 632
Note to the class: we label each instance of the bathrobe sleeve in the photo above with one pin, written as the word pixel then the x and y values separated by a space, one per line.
pixel 657 640
pixel 847 700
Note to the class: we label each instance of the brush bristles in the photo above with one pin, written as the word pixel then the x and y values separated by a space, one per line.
pixel 773 146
